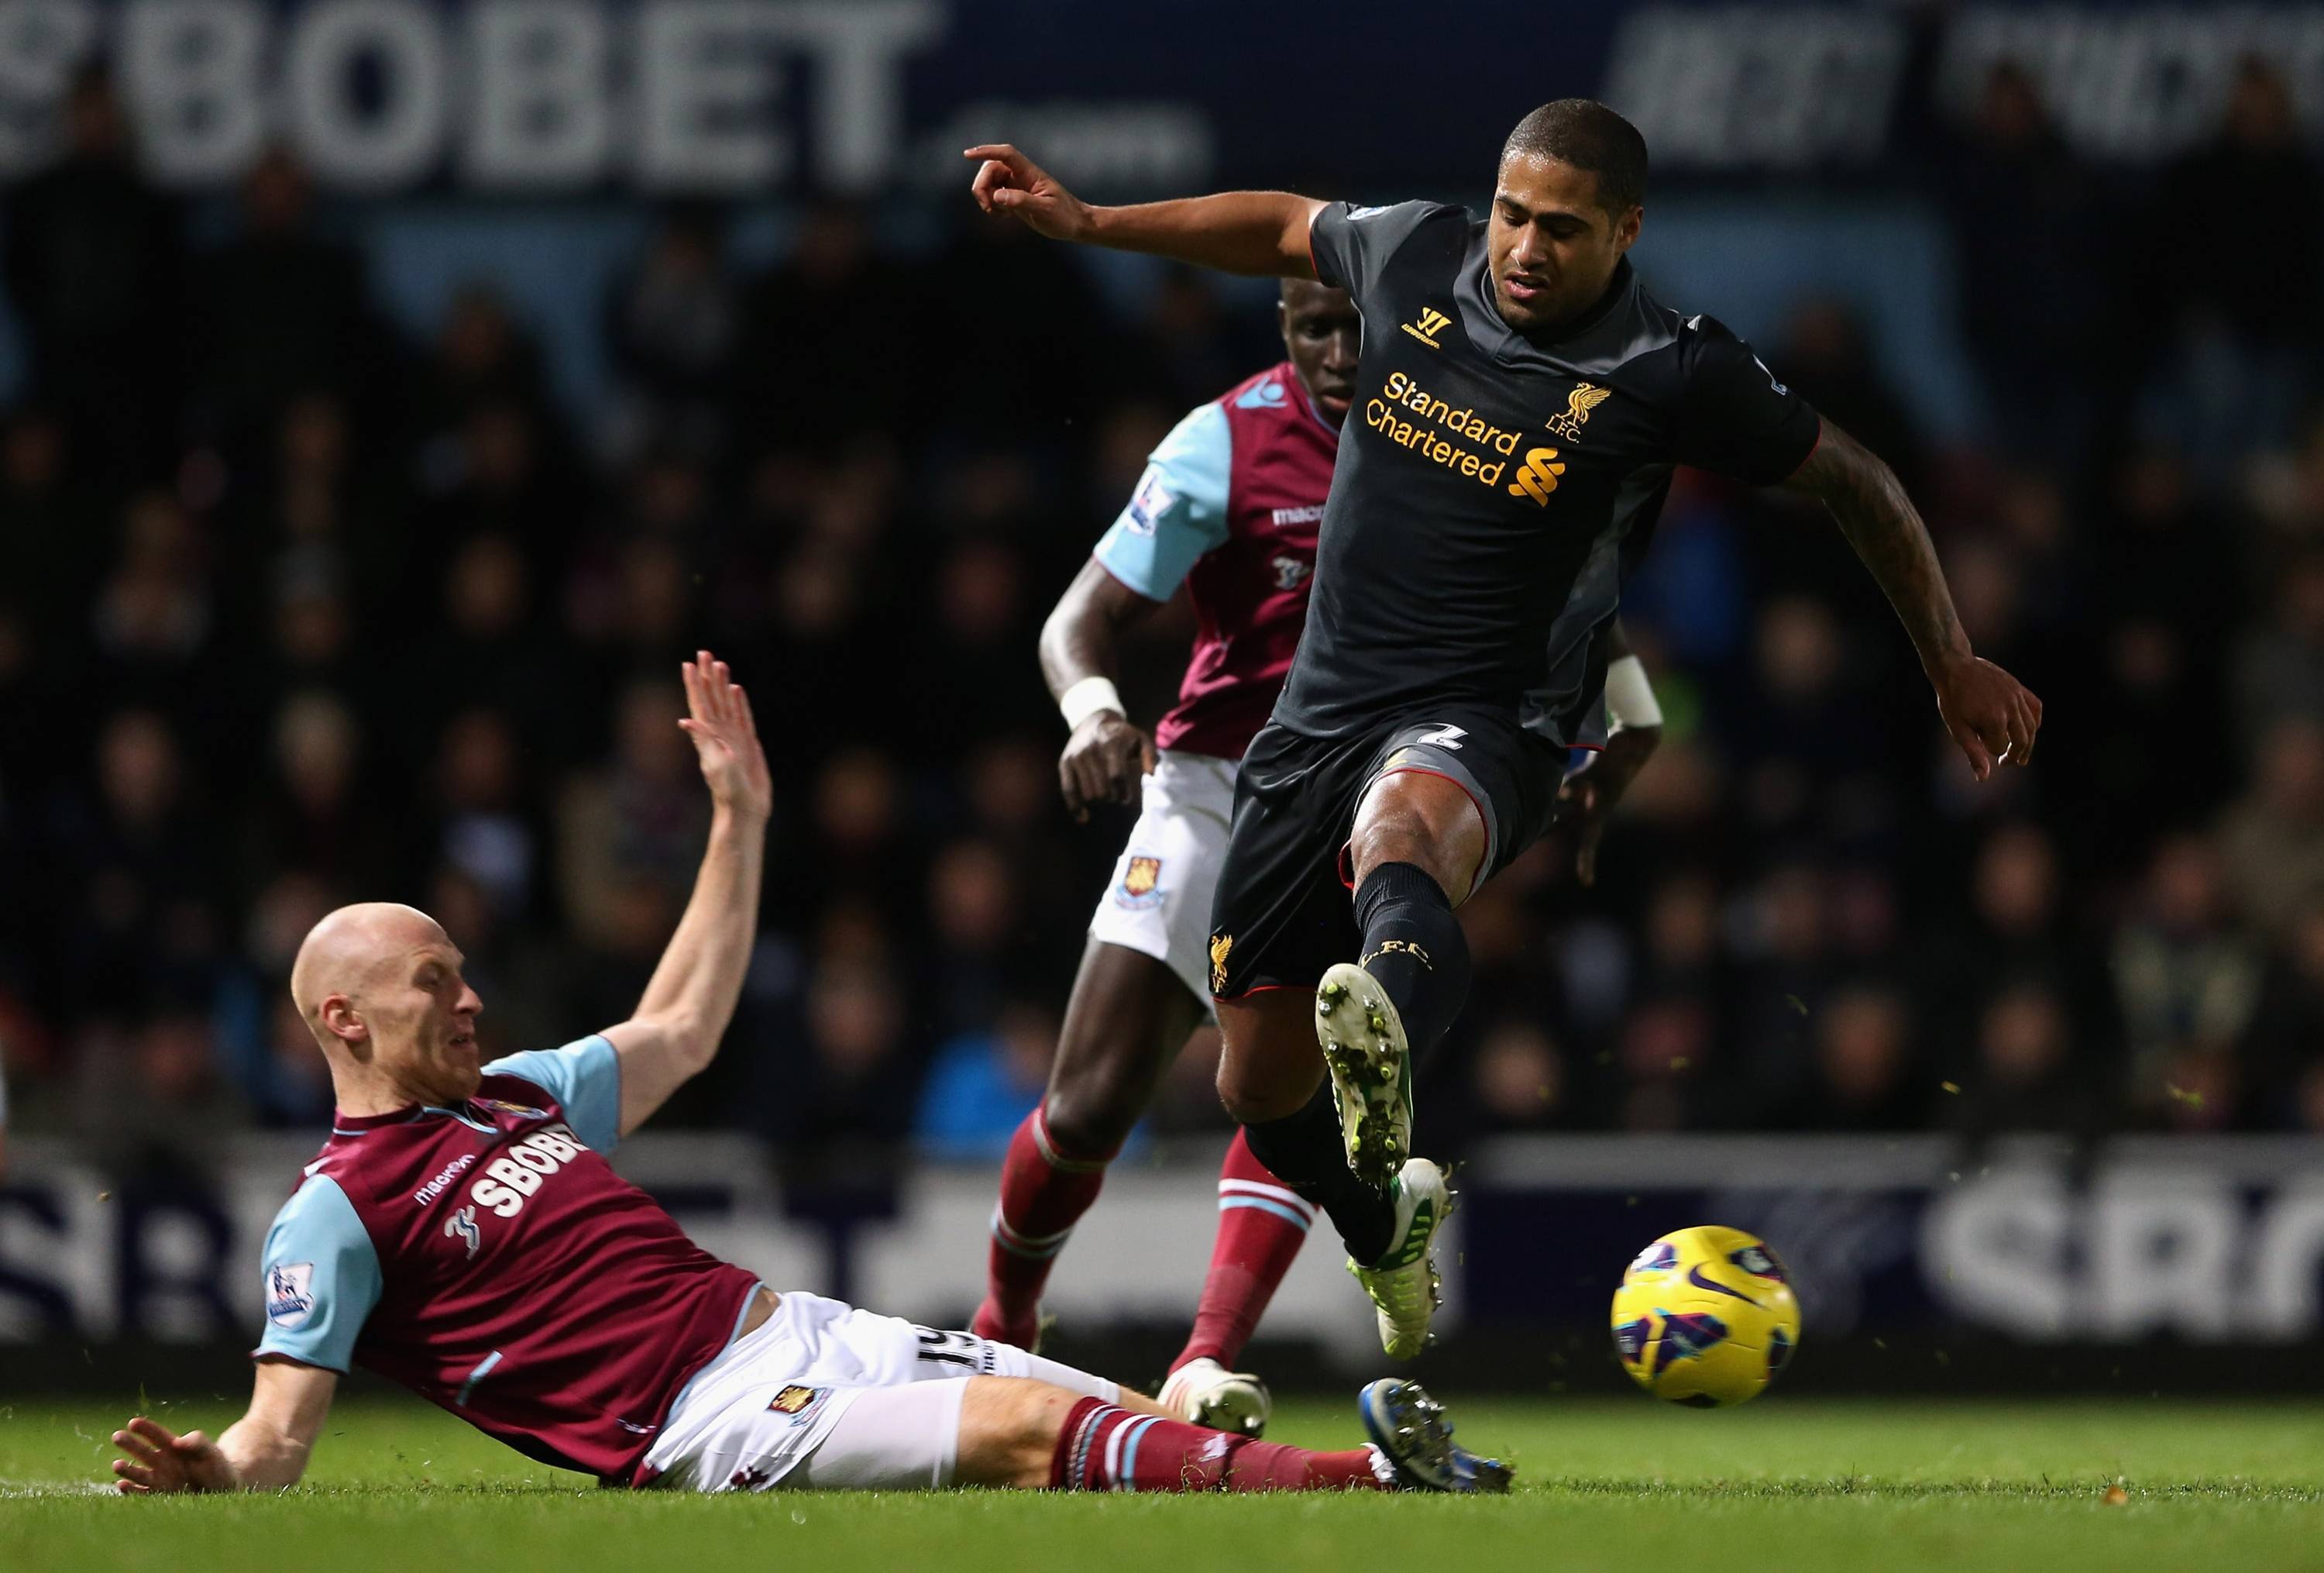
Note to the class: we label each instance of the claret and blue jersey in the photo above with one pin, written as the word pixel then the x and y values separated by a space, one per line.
pixel 488 1257
pixel 1229 506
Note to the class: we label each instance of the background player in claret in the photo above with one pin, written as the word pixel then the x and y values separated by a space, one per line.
pixel 1521 402
pixel 462 1233
pixel 1229 505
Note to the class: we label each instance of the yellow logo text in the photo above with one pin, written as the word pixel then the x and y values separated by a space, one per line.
pixel 1537 477
pixel 1432 323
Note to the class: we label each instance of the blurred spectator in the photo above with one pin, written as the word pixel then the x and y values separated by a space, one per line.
pixel 671 324
pixel 2187 980
pixel 91 256
pixel 278 311
pixel 630 832
pixel 980 1084
pixel 2274 839
pixel 2027 233
pixel 2244 291
pixel 2026 1074
pixel 1868 1077
pixel 1827 357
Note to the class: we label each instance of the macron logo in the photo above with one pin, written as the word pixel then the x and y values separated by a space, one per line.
pixel 443 1179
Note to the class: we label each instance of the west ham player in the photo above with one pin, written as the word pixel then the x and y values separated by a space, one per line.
pixel 1521 403
pixel 462 1232
pixel 1228 505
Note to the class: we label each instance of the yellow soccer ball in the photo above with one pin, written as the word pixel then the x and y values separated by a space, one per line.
pixel 1705 1317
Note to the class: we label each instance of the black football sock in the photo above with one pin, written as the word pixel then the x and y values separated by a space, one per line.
pixel 1414 946
pixel 1305 1152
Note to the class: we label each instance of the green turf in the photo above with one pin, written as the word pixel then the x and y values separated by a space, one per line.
pixel 1787 1487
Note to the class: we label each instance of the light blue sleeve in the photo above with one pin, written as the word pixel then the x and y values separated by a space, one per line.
pixel 1179 510
pixel 584 1076
pixel 322 1277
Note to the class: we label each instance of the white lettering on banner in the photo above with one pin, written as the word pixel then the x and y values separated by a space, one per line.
pixel 41 41
pixel 190 71
pixel 2162 1256
pixel 1773 86
pixel 860 50
pixel 373 146
pixel 705 83
pixel 1995 1251
pixel 542 113
pixel 2135 83
pixel 2287 1253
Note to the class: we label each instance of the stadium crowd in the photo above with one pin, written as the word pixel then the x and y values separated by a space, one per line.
pixel 295 609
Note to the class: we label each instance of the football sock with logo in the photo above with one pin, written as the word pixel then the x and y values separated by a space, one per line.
pixel 1105 1448
pixel 1305 1152
pixel 1412 944
pixel 1262 1224
pixel 1044 1192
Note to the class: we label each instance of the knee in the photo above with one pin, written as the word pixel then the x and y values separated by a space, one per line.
pixel 1441 836
pixel 1009 1429
pixel 1086 1126
pixel 1254 1093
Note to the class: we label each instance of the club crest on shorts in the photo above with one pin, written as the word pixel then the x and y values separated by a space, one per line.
pixel 1141 883
pixel 791 1400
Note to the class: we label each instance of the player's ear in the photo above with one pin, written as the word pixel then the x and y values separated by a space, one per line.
pixel 343 1020
pixel 1625 229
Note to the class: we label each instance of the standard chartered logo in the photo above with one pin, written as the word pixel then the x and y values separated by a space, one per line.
pixel 1538 476
pixel 1385 413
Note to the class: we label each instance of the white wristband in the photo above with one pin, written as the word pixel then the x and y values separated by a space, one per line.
pixel 1629 696
pixel 1086 698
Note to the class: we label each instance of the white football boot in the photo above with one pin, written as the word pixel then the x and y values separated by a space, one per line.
pixel 1370 1060
pixel 1209 1395
pixel 1403 1284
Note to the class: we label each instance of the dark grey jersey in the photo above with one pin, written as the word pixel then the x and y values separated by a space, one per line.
pixel 1493 492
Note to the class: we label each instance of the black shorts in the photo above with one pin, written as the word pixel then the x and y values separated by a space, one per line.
pixel 1285 910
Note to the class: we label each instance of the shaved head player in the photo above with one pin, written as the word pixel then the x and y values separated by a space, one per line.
pixel 462 1233
pixel 1521 403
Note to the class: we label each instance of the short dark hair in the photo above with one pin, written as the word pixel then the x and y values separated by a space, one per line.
pixel 1585 134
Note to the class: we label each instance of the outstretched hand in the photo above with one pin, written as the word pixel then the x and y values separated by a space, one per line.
pixel 1993 717
pixel 1586 799
pixel 726 738
pixel 1007 181
pixel 159 1461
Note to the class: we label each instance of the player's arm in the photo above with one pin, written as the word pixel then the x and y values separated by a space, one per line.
pixel 1081 646
pixel 1260 233
pixel 1634 730
pixel 691 997
pixel 265 1451
pixel 1989 713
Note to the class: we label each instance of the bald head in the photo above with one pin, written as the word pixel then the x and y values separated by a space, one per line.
pixel 379 987
pixel 350 947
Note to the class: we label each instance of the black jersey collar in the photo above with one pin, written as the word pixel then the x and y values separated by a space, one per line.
pixel 1481 314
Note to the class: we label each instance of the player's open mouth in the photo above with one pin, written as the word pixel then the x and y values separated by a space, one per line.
pixel 463 1039
pixel 1523 288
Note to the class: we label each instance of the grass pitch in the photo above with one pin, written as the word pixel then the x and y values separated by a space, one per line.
pixel 1791 1486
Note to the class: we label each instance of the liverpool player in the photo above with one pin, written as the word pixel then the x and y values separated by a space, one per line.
pixel 1521 403
pixel 1228 505
pixel 462 1233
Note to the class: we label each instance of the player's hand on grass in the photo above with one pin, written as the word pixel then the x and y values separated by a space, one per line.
pixel 1586 799
pixel 1992 715
pixel 1007 181
pixel 160 1460
pixel 1105 762
pixel 726 738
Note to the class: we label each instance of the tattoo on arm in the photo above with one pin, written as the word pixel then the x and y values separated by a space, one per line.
pixel 1886 531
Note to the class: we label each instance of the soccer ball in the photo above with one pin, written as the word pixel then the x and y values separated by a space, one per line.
pixel 1705 1317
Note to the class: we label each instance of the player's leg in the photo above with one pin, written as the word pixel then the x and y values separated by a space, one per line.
pixel 1128 1017
pixel 1027 1434
pixel 1262 1224
pixel 1419 842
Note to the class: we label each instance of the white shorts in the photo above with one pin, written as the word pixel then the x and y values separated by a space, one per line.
pixel 822 1394
pixel 1159 900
